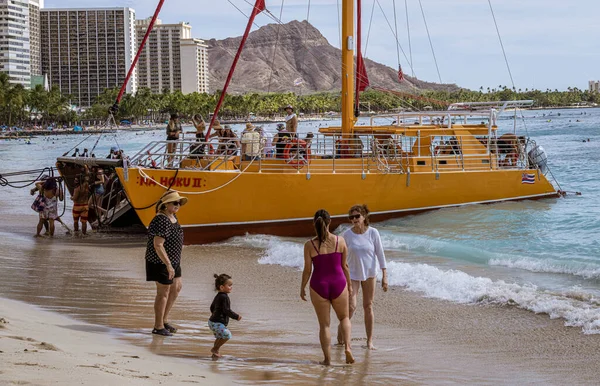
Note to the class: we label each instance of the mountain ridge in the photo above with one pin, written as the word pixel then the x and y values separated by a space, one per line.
pixel 297 50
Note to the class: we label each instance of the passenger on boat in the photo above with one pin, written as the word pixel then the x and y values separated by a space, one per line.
pixel 80 198
pixel 326 254
pixel 308 139
pixel 365 251
pixel 266 141
pixel 174 130
pixel 250 143
pixel 163 259
pixel 281 139
pixel 232 142
pixel 508 144
pixel 200 126
pixel 291 120
pixel 219 133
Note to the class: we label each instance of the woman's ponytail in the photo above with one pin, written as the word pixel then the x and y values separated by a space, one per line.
pixel 321 222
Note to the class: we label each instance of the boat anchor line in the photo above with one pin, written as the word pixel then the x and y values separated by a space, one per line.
pixel 147 177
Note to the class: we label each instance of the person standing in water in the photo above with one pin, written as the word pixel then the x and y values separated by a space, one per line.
pixel 365 251
pixel 329 284
pixel 220 311
pixel 163 259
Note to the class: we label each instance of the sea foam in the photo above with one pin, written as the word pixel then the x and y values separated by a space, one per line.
pixel 575 306
pixel 585 270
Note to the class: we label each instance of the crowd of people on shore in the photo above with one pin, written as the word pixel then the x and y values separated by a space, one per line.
pixel 337 267
pixel 89 188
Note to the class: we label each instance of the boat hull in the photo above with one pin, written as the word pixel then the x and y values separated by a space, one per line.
pixel 226 204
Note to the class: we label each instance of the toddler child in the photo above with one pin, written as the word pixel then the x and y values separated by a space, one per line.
pixel 221 312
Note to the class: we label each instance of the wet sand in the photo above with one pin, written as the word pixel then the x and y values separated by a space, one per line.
pixel 100 280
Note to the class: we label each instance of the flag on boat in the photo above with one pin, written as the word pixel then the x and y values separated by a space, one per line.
pixel 361 74
pixel 528 178
pixel 298 82
pixel 400 74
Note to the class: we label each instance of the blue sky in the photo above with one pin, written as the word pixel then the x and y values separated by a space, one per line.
pixel 549 43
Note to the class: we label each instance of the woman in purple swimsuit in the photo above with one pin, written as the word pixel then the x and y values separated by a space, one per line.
pixel 330 282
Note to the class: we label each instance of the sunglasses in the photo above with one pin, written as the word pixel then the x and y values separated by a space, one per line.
pixel 176 203
pixel 354 216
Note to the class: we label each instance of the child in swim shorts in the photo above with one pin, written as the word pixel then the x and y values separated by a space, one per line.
pixel 221 312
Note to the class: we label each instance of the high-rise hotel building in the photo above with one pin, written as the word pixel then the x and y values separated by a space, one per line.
pixel 86 50
pixel 20 40
pixel 172 60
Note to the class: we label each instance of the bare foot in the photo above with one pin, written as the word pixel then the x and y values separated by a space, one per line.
pixel 325 362
pixel 339 343
pixel 215 353
pixel 349 357
pixel 370 346
pixel 215 357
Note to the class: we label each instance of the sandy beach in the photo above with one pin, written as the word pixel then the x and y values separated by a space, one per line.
pixel 41 348
pixel 99 281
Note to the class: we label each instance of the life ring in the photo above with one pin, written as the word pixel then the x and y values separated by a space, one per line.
pixel 296 153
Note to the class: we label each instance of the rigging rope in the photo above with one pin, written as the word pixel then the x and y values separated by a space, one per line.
pixel 409 40
pixel 275 48
pixel 507 65
pixel 392 29
pixel 430 42
pixel 370 24
pixel 396 32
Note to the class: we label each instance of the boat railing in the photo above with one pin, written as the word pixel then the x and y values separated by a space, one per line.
pixel 372 153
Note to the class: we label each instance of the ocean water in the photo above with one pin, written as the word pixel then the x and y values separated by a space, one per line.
pixel 542 256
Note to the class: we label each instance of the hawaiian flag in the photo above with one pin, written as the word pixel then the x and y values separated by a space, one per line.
pixel 528 178
pixel 400 73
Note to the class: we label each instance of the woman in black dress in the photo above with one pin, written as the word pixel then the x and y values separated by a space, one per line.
pixel 163 259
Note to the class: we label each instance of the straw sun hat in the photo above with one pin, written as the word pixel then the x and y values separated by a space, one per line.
pixel 170 196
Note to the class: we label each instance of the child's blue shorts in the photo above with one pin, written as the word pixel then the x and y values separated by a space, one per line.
pixel 220 330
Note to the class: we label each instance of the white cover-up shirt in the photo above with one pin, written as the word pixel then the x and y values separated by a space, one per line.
pixel 364 252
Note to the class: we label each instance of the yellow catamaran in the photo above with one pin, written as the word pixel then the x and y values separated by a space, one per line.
pixel 422 161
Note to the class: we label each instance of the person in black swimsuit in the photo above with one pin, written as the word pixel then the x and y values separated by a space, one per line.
pixel 163 259
pixel 174 130
pixel 200 126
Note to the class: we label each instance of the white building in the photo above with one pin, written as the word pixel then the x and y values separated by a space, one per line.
pixel 194 66
pixel 87 50
pixel 171 59
pixel 19 39
pixel 594 85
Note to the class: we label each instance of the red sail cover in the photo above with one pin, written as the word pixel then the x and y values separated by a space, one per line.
pixel 361 71
pixel 260 6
